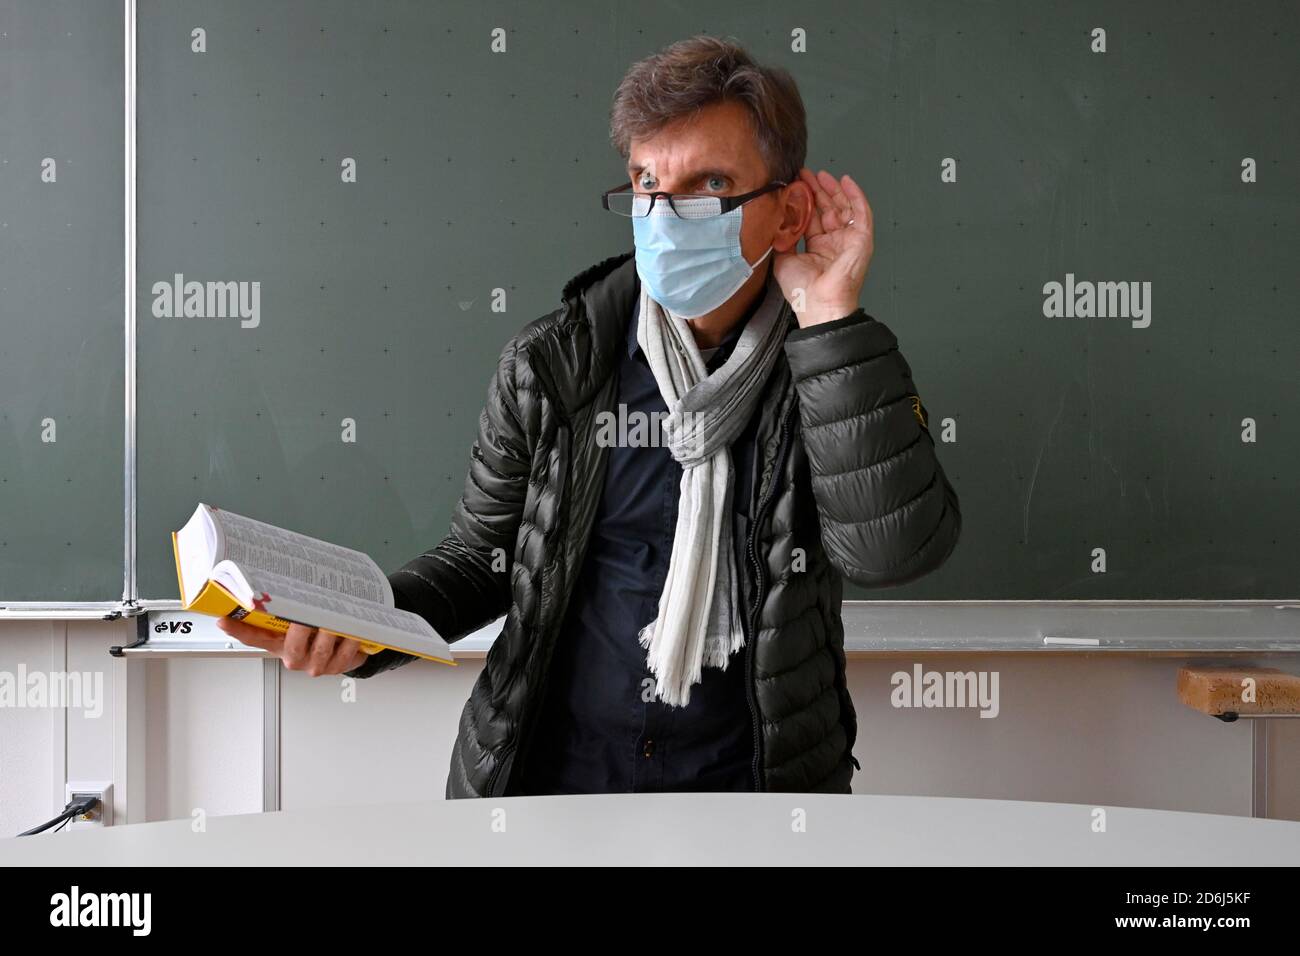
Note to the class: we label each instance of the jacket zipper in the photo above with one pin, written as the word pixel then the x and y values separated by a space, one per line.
pixel 496 771
pixel 508 749
pixel 758 590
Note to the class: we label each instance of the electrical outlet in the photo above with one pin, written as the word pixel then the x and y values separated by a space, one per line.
pixel 100 816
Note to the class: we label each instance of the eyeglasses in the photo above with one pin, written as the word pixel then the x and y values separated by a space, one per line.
pixel 684 205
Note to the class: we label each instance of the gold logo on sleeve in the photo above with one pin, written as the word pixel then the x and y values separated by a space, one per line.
pixel 919 411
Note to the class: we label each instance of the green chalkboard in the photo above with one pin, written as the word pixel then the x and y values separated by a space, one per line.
pixel 62 510
pixel 479 170
pixel 1003 146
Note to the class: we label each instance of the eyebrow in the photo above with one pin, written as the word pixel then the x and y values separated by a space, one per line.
pixel 694 175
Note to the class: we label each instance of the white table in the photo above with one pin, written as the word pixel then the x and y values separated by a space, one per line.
pixel 681 828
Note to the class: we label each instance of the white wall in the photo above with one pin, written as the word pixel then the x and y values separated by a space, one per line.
pixel 1075 729
pixel 204 738
pixel 1104 730
pixel 31 741
pixel 172 736
pixel 393 743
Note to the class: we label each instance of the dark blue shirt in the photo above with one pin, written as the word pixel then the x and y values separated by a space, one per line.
pixel 600 729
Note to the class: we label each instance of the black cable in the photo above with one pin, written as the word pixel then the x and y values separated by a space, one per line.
pixel 73 809
pixel 65 815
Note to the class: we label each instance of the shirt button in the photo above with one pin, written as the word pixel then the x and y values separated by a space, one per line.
pixel 649 748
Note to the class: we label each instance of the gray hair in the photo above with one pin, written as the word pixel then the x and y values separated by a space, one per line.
pixel 684 77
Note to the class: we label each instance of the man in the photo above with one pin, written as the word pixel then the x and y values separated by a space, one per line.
pixel 672 595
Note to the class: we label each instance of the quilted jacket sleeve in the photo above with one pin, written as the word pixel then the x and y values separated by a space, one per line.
pixel 888 514
pixel 463 583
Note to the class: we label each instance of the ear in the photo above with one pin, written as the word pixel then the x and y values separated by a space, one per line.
pixel 796 212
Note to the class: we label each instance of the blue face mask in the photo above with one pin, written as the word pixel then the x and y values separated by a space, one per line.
pixel 691 266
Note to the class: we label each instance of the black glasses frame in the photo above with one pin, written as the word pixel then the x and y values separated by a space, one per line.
pixel 728 202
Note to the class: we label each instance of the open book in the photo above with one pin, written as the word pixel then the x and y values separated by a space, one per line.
pixel 231 566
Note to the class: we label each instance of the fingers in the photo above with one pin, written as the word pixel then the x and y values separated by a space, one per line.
pixel 320 651
pixel 301 647
pixel 333 654
pixel 838 204
pixel 252 636
pixel 326 652
pixel 296 646
pixel 860 209
pixel 347 656
pixel 822 183
pixel 836 200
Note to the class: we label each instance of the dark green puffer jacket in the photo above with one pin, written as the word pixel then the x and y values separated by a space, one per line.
pixel 848 477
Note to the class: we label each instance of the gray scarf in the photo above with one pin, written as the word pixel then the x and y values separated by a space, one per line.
pixel 698 622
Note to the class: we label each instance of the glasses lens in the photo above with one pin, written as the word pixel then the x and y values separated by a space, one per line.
pixel 628 203
pixel 687 206
pixel 697 207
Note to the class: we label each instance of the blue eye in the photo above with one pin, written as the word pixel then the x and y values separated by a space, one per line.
pixel 719 180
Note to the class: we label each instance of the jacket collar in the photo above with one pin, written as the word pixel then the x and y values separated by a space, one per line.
pixel 582 350
pixel 597 304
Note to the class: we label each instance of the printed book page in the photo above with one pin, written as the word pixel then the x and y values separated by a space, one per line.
pixel 332 611
pixel 253 544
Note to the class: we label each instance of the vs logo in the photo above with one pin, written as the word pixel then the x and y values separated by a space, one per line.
pixel 173 627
